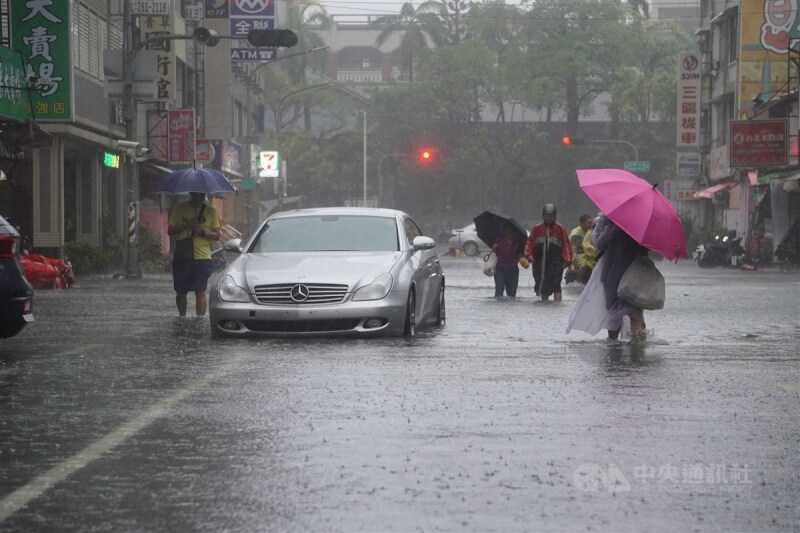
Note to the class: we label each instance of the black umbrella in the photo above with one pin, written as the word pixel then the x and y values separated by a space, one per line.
pixel 490 226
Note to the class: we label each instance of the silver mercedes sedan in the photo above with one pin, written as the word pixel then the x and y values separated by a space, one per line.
pixel 330 271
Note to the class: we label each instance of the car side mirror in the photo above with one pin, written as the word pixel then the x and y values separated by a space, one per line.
pixel 233 245
pixel 422 243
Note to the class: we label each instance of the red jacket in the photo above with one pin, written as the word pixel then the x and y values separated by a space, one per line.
pixel 558 236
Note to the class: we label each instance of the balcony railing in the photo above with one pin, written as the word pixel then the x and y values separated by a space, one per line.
pixel 359 76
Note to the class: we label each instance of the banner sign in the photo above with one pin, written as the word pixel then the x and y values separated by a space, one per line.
pixel 759 143
pixel 155 26
pixel 688 100
pixel 14 101
pixel 41 31
pixel 181 135
pixel 768 29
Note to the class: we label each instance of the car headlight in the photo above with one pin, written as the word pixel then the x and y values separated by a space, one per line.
pixel 229 291
pixel 376 290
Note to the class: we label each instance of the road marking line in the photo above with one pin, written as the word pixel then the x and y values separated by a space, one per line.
pixel 788 388
pixel 37 486
pixel 78 349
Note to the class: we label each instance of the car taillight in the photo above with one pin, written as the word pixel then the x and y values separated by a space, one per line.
pixel 8 246
pixel 26 306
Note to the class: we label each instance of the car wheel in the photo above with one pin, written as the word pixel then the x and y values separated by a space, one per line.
pixel 440 310
pixel 11 328
pixel 410 329
pixel 470 248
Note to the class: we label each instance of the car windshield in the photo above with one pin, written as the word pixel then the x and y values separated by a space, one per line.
pixel 324 233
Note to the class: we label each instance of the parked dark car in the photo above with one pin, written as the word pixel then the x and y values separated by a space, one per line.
pixel 16 294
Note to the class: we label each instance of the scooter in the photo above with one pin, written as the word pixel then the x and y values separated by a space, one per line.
pixel 723 251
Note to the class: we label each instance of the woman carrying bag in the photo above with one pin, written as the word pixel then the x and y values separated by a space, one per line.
pixel 600 306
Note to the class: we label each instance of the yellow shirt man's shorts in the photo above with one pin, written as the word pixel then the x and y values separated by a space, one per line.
pixel 193 277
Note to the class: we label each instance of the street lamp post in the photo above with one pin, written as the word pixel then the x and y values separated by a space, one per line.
pixel 617 141
pixel 364 111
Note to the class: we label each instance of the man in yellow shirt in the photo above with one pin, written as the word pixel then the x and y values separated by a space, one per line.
pixel 199 223
pixel 581 266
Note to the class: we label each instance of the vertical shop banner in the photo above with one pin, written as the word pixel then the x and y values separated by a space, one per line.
pixel 14 101
pixel 767 28
pixel 41 31
pixel 155 26
pixel 181 136
pixel 688 100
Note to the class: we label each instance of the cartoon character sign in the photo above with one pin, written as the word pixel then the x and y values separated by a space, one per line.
pixel 779 16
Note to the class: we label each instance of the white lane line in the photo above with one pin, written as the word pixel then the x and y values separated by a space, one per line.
pixel 37 486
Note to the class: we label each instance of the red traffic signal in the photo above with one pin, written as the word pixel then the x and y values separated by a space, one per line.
pixel 426 155
pixel 569 140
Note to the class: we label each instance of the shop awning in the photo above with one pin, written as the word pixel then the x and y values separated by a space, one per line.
pixel 766 178
pixel 791 183
pixel 714 189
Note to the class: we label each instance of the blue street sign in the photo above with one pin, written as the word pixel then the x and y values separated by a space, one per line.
pixel 637 166
pixel 252 54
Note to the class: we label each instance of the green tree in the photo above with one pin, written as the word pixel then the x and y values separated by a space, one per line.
pixel 573 52
pixel 416 26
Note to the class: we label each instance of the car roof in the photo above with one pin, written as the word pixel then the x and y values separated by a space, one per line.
pixel 351 211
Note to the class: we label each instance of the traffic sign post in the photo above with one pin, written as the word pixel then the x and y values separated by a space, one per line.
pixel 637 166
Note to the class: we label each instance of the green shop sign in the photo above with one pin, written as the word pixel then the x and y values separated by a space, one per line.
pixel 14 101
pixel 40 29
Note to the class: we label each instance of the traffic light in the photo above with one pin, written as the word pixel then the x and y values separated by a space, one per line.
pixel 569 140
pixel 272 38
pixel 426 156
pixel 205 36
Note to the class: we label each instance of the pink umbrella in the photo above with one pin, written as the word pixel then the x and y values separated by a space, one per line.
pixel 637 207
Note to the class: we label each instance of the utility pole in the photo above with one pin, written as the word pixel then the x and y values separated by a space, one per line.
pixel 132 265
pixel 365 157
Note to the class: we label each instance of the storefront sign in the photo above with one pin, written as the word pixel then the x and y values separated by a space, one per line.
pixel 13 95
pixel 227 157
pixel 687 194
pixel 110 160
pixel 247 15
pixel 688 163
pixel 204 151
pixel 41 31
pixel 768 29
pixel 216 9
pixel 181 135
pixel 688 100
pixel 759 143
pixel 156 26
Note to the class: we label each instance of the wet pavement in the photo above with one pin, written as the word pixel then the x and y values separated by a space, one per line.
pixel 117 416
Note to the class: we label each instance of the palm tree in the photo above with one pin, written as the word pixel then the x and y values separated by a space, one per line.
pixel 305 19
pixel 417 26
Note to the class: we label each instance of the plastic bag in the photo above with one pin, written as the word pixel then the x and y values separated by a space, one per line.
pixel 489 264
pixel 642 284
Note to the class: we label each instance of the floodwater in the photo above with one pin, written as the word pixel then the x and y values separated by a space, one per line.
pixel 117 416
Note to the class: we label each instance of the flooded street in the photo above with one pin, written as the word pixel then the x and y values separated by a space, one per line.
pixel 115 415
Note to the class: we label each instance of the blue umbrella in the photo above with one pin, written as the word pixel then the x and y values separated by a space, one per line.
pixel 203 180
